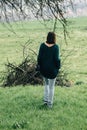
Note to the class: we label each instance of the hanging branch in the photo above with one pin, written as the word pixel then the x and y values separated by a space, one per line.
pixel 40 9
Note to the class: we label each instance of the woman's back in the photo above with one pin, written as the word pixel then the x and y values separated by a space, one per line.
pixel 48 57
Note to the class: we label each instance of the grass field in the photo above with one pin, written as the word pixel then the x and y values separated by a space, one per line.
pixel 20 107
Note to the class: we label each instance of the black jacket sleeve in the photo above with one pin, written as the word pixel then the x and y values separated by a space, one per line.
pixel 57 58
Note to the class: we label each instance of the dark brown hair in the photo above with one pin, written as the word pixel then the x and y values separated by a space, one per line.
pixel 51 38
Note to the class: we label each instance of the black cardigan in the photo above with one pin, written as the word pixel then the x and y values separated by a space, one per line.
pixel 48 60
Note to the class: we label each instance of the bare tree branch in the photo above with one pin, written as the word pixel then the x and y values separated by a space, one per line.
pixel 41 9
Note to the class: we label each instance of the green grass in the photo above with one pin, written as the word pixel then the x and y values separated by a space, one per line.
pixel 20 106
pixel 20 109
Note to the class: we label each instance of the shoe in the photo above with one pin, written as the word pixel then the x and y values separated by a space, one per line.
pixel 44 106
pixel 45 101
pixel 49 105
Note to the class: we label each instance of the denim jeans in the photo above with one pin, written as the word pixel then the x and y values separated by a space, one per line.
pixel 49 90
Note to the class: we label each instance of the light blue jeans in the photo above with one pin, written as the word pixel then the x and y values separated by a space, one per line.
pixel 49 86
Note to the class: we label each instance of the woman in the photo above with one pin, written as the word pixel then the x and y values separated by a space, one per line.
pixel 49 62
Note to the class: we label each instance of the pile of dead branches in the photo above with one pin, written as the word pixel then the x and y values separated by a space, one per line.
pixel 25 73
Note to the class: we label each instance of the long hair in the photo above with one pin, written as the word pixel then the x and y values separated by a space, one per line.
pixel 51 38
